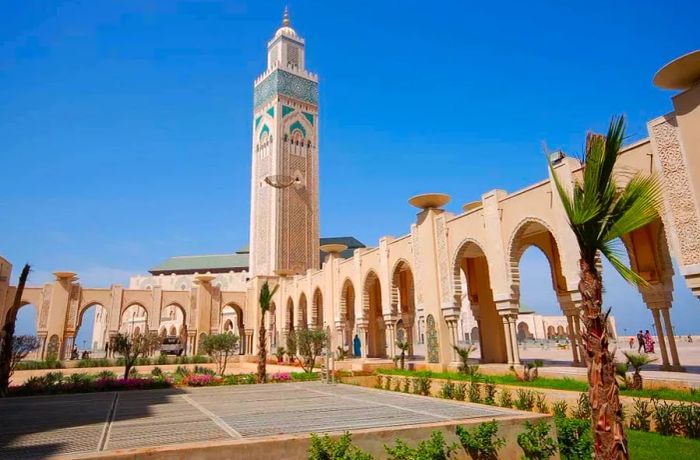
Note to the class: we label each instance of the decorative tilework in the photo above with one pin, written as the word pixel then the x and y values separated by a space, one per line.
pixel 433 346
pixel 271 112
pixel 296 125
pixel 257 121
pixel 264 130
pixel 309 117
pixel 286 110
pixel 281 82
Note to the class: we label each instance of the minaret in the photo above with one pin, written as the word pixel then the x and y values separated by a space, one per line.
pixel 284 223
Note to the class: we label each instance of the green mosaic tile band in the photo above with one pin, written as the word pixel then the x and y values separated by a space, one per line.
pixel 288 84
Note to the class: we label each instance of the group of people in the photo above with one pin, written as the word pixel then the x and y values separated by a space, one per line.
pixel 645 342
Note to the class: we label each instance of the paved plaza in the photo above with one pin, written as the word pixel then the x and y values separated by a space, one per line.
pixel 38 427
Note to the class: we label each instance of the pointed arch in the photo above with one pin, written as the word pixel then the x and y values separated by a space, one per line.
pixel 317 309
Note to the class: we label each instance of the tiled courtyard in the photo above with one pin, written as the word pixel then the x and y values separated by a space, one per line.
pixel 38 427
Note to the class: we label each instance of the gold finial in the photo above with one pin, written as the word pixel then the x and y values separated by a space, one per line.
pixel 285 18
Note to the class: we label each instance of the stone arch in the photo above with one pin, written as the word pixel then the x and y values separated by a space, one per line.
pixel 561 332
pixel 347 311
pixel 472 285
pixel 27 314
pixel 173 317
pixel 551 332
pixel 523 330
pixel 403 303
pixel 302 320
pixel 474 335
pixel 317 309
pixel 200 342
pixel 100 325
pixel 372 315
pixel 533 231
pixel 132 317
pixel 233 312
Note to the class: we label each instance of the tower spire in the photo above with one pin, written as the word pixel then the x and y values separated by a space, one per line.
pixel 285 17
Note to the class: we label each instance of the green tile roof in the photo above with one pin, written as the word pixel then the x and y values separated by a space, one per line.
pixel 237 261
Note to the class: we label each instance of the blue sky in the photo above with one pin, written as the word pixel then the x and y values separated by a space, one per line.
pixel 125 125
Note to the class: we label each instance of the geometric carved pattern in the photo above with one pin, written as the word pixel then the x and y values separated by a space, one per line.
pixel 44 316
pixel 433 345
pixel 678 192
pixel 281 82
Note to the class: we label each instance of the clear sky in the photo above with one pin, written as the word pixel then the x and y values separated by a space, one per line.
pixel 125 125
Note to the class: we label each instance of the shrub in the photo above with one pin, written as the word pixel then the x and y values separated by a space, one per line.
pixel 80 378
pixel 387 383
pixel 560 408
pixel 583 408
pixel 505 399
pixel 326 448
pixel 157 372
pixel 474 392
pixel 541 403
pixel 482 443
pixel 536 442
pixel 641 415
pixel 53 378
pixel 447 390
pixel 281 377
pixel 421 386
pixel 574 438
pixel 92 362
pixel 406 385
pixel 464 366
pixel 199 380
pixel 161 360
pixel 33 365
pixel 201 359
pixel 106 374
pixel 665 417
pixel 203 370
pixel 460 392
pixel 525 400
pixel 434 449
pixel 689 420
pixel 490 393
pixel 397 384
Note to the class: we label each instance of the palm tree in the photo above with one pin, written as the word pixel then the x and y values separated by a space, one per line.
pixel 600 212
pixel 403 348
pixel 265 301
pixel 637 362
pixel 464 366
pixel 7 334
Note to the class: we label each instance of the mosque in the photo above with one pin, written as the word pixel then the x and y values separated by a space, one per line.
pixel 450 278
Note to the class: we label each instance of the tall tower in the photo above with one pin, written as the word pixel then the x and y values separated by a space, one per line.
pixel 284 222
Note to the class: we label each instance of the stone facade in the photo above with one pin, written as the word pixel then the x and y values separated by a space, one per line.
pixel 417 285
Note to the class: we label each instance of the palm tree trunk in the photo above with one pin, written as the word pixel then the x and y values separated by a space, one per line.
pixel 610 441
pixel 262 351
pixel 8 334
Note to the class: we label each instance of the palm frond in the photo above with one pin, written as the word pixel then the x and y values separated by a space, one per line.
pixel 613 252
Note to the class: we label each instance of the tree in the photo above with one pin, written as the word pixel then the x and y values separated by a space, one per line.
pixel 291 345
pixel 600 212
pixel 130 347
pixel 310 343
pixel 265 301
pixel 8 332
pixel 637 362
pixel 403 347
pixel 464 366
pixel 220 347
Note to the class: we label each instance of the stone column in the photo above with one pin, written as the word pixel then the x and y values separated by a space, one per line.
pixel 671 340
pixel 506 333
pixel 363 328
pixel 573 340
pixel 249 341
pixel 68 346
pixel 660 336
pixel 514 338
pixel 452 327
pixel 191 343
pixel 390 323
pixel 340 329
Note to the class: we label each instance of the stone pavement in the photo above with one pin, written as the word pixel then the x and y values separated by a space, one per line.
pixel 38 427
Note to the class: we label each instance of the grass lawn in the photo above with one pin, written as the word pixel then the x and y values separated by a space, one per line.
pixel 555 384
pixel 653 446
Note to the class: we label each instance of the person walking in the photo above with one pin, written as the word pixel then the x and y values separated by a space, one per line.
pixel 640 340
pixel 631 343
pixel 648 342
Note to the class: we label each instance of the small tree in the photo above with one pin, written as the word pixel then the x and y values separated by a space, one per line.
pixel 310 342
pixel 464 366
pixel 291 345
pixel 220 347
pixel 130 347
pixel 637 362
pixel 403 347
pixel 265 301
pixel 8 332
